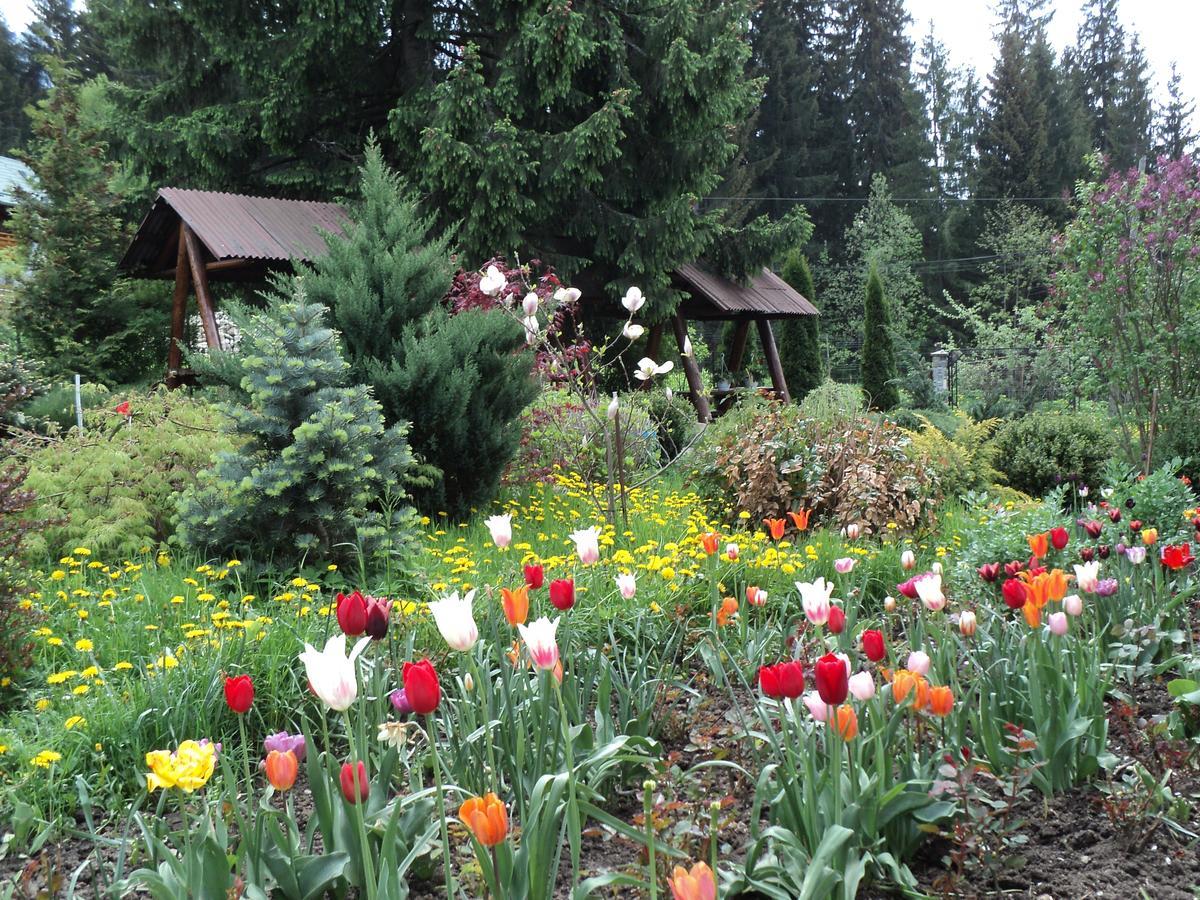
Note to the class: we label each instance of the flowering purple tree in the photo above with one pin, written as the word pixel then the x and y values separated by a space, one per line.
pixel 1129 280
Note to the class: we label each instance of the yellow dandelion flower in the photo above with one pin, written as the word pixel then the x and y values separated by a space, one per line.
pixel 83 645
pixel 74 722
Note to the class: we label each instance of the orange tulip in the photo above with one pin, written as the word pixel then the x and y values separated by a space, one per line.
pixel 698 884
pixel 847 722
pixel 941 701
pixel 776 526
pixel 1033 614
pixel 709 541
pixel 1149 536
pixel 729 607
pixel 905 683
pixel 1039 544
pixel 282 768
pixel 486 818
pixel 516 604
pixel 800 519
pixel 1056 584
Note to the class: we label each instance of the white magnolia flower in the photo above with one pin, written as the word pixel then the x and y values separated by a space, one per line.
pixel 492 282
pixel 532 329
pixel 633 300
pixel 648 368
pixel 455 619
pixel 614 406
pixel 687 346
pixel 530 304
pixel 331 673
pixel 567 296
pixel 633 331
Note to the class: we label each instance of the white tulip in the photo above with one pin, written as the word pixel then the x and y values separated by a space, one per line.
pixel 331 673
pixel 501 529
pixel 862 686
pixel 633 299
pixel 627 585
pixel 587 544
pixel 814 598
pixel 455 619
pixel 929 589
pixel 541 642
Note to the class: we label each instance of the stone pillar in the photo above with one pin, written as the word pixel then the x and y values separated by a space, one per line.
pixel 941 372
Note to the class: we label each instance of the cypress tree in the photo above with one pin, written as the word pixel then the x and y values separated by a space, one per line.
pixel 800 339
pixel 878 356
pixel 461 379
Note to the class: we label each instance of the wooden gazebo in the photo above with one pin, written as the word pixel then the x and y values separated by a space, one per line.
pixel 711 297
pixel 194 237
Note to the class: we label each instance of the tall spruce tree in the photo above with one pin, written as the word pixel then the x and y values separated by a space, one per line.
pixel 878 372
pixel 1099 61
pixel 583 135
pixel 461 380
pixel 15 91
pixel 1133 138
pixel 1175 136
pixel 800 339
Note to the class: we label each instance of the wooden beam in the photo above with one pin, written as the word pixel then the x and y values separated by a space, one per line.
pixel 771 352
pixel 695 384
pixel 178 314
pixel 222 265
pixel 737 353
pixel 212 336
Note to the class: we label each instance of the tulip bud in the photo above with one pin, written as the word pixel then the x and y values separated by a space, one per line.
pixel 668 393
pixel 1058 623
pixel 853 530
pixel 354 784
pixel 468 682
pixel 908 560
pixel 919 662
pixel 967 623
pixel 1073 604
pixel 889 604
pixel 731 552
pixel 837 620
pixel 936 568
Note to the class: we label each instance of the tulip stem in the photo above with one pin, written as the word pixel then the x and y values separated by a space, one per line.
pixel 437 775
pixel 368 859
pixel 648 811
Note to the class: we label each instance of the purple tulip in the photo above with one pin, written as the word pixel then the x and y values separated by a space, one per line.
pixel 1106 587
pixel 400 701
pixel 283 742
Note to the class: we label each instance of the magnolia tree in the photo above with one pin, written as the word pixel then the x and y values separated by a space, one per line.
pixel 567 358
pixel 1130 286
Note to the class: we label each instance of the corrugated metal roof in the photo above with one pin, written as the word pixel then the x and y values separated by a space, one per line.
pixel 13 174
pixel 235 226
pixel 766 295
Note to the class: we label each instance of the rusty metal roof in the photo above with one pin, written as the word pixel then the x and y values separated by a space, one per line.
pixel 234 226
pixel 767 295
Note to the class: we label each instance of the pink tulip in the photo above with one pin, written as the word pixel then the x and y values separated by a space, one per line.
pixel 1058 623
pixel 1073 604
pixel 918 662
pixel 862 686
pixel 844 565
pixel 817 707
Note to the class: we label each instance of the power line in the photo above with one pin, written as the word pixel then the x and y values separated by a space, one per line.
pixel 895 199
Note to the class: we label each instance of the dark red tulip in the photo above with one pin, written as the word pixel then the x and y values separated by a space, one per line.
pixel 421 687
pixel 1012 568
pixel 1114 514
pixel 1093 528
pixel 1014 592
pixel 355 787
pixel 562 593
pixel 989 572
pixel 239 693
pixel 837 620
pixel 378 615
pixel 352 613
pixel 833 681
pixel 1103 550
pixel 1135 525
pixel 872 644
pixel 1087 554
pixel 785 679
pixel 1059 537
pixel 535 576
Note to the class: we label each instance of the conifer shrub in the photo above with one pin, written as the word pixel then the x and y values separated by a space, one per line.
pixel 1038 452
pixel 114 488
pixel 15 528
pixel 878 353
pixel 799 339
pixel 314 469
pixel 458 374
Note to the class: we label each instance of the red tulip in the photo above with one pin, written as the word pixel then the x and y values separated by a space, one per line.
pixel 1014 593
pixel 562 593
pixel 1059 537
pixel 989 572
pixel 1087 554
pixel 1135 525
pixel 1093 528
pixel 352 613
pixel 378 614
pixel 785 679
pixel 355 789
pixel 837 620
pixel 1012 568
pixel 1103 551
pixel 833 681
pixel 1114 514
pixel 123 408
pixel 909 588
pixel 872 644
pixel 239 693
pixel 421 686
pixel 1177 556
pixel 535 576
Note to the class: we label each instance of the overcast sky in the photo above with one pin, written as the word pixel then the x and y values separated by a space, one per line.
pixel 1169 30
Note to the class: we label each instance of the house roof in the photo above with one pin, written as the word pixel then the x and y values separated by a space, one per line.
pixel 14 174
pixel 234 226
pixel 715 297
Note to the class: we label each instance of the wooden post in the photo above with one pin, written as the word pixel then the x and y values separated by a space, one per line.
pixel 203 298
pixel 737 353
pixel 695 385
pixel 178 313
pixel 653 348
pixel 771 352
